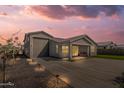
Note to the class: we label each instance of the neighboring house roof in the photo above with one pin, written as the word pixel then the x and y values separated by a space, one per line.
pixel 105 43
pixel 62 40
pixel 120 46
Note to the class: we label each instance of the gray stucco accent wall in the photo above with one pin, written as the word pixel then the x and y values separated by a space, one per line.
pixel 54 49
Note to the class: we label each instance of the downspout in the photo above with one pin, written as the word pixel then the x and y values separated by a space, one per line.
pixel 70 50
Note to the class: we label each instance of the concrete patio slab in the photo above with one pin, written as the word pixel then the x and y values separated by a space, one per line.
pixel 87 73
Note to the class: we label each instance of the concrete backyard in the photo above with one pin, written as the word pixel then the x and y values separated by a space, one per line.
pixel 87 73
pixel 84 73
pixel 25 73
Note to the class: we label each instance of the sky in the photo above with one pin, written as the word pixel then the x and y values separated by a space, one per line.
pixel 101 23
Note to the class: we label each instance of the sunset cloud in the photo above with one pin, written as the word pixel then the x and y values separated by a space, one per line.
pixel 100 22
pixel 3 14
pixel 62 12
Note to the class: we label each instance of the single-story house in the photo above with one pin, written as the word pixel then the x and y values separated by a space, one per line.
pixel 41 44
pixel 106 45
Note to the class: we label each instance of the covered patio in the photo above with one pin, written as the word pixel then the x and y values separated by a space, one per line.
pixel 72 50
pixel 78 50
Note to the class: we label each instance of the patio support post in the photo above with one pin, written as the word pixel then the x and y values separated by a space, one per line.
pixel 88 51
pixel 70 51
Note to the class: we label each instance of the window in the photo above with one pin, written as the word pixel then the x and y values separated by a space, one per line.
pixel 65 50
pixel 57 48
pixel 75 51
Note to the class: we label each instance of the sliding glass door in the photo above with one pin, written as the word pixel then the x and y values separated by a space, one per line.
pixel 75 50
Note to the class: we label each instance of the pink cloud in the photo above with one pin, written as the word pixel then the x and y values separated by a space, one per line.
pixel 61 12
pixel 31 18
pixel 3 14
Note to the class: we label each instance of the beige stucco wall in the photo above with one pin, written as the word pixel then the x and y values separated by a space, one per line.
pixel 93 50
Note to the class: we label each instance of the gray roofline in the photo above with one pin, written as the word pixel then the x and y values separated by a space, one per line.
pixel 91 40
pixel 64 39
pixel 30 33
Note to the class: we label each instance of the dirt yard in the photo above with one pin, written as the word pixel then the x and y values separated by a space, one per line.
pixel 29 75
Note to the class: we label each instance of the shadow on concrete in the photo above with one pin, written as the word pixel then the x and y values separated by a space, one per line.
pixel 119 81
pixel 24 75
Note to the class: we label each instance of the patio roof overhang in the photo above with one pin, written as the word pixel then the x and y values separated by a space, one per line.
pixel 80 44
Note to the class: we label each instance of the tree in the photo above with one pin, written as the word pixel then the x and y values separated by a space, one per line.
pixel 8 51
